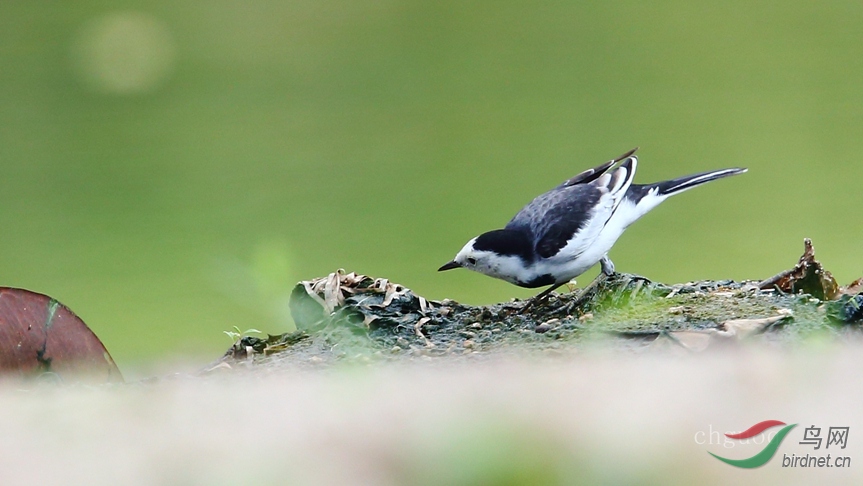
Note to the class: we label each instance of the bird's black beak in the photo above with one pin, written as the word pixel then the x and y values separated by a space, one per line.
pixel 449 266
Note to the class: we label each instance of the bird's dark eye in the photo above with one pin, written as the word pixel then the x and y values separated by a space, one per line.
pixel 471 261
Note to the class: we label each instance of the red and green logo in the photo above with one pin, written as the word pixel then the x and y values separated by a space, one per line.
pixel 766 454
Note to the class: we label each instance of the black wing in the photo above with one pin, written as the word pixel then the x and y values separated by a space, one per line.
pixel 591 175
pixel 582 205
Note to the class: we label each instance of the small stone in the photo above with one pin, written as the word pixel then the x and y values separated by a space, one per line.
pixel 542 328
pixel 402 342
pixel 585 317
pixel 475 325
pixel 468 344
pixel 396 349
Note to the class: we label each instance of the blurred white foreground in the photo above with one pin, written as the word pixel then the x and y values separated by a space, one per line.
pixel 598 417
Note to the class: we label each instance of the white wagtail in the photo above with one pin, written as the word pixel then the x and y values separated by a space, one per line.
pixel 567 230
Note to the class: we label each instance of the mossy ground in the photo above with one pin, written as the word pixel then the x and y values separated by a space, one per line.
pixel 373 319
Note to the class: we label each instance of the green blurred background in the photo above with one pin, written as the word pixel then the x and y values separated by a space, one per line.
pixel 169 169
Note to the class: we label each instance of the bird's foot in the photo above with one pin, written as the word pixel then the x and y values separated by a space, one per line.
pixel 538 298
pixel 586 294
pixel 532 302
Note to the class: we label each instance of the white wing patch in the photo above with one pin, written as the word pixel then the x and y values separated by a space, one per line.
pixel 613 187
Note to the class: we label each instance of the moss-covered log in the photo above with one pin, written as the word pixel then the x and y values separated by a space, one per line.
pixel 346 316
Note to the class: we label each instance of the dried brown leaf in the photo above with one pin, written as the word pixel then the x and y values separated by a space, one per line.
pixel 424 305
pixel 313 293
pixel 807 276
pixel 369 319
pixel 333 297
pixel 743 328
pixel 419 332
pixel 853 288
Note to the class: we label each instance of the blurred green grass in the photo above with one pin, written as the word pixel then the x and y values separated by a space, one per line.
pixel 289 140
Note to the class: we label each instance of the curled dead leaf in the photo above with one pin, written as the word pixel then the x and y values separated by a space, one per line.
pixel 310 289
pixel 369 319
pixel 743 328
pixel 808 276
pixel 727 331
pixel 333 297
pixel 419 332
pixel 424 305
pixel 854 288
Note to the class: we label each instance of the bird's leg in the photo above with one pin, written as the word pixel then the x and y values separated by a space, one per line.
pixel 587 292
pixel 547 291
pixel 607 271
pixel 607 265
pixel 539 297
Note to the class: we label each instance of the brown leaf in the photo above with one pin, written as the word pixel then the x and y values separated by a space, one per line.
pixel 419 332
pixel 808 276
pixel 333 297
pixel 39 334
pixel 424 305
pixel 853 288
pixel 313 293
pixel 743 328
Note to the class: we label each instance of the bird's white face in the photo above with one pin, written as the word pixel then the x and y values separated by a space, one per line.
pixel 509 268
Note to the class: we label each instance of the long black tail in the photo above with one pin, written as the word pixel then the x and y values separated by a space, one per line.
pixel 674 186
pixel 641 198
